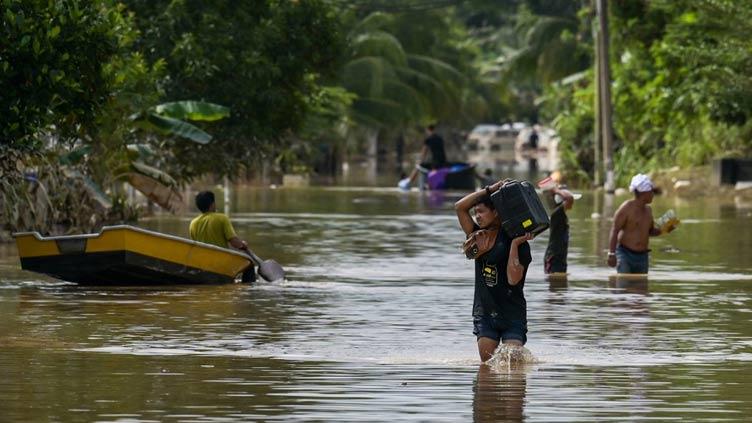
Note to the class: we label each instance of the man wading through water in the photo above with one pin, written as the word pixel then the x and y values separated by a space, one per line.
pixel 632 228
pixel 559 200
pixel 499 307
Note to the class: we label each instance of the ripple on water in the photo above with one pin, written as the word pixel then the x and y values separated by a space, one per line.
pixel 19 284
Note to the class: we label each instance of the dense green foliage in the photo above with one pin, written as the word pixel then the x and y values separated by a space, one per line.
pixel 681 87
pixel 51 59
pixel 262 59
pixel 526 46
pixel 80 81
pixel 68 81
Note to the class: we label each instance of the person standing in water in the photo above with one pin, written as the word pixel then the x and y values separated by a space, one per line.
pixel 632 228
pixel 559 201
pixel 499 307
pixel 433 144
pixel 486 178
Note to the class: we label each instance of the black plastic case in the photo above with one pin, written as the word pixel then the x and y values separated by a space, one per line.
pixel 520 209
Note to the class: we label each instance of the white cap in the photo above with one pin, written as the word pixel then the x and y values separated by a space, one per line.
pixel 641 183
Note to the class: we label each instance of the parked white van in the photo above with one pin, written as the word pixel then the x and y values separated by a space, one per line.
pixel 493 146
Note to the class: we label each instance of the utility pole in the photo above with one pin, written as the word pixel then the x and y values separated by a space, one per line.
pixel 226 190
pixel 605 95
pixel 597 140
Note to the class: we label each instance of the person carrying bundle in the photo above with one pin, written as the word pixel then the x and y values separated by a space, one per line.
pixel 559 200
pixel 501 263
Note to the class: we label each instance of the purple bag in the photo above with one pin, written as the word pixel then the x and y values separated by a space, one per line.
pixel 436 178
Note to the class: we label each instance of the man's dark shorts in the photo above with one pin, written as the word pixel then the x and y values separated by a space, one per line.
pixel 629 261
pixel 499 329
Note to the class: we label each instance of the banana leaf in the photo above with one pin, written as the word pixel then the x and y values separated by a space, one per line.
pixel 154 173
pixel 172 126
pixel 136 151
pixel 91 187
pixel 42 206
pixel 166 197
pixel 192 110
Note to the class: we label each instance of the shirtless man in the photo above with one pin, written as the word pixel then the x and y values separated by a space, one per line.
pixel 633 226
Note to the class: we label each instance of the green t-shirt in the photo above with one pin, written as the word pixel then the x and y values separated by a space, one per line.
pixel 212 228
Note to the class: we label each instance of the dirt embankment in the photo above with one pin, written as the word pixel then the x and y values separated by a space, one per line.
pixel 697 182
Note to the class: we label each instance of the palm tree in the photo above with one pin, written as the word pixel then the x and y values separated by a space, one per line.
pixel 394 89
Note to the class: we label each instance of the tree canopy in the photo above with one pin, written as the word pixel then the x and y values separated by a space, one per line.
pixel 262 59
pixel 51 66
pixel 681 86
pixel 75 75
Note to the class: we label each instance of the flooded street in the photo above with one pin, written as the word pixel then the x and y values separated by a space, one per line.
pixel 374 324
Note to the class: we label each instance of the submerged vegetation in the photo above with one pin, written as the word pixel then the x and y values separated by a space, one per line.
pixel 99 94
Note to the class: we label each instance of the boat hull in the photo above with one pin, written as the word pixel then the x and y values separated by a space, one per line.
pixel 125 255
pixel 457 176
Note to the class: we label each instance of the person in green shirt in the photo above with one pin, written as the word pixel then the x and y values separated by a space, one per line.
pixel 215 228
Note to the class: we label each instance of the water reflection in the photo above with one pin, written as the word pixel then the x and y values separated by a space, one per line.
pixel 437 200
pixel 632 284
pixel 374 324
pixel 499 394
pixel 557 282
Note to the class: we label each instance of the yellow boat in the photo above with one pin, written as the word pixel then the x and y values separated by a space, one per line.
pixel 126 255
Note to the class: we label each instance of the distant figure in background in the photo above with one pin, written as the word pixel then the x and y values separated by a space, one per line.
pixel 433 143
pixel 486 179
pixel 559 201
pixel 215 228
pixel 532 168
pixel 532 146
pixel 632 228
pixel 532 139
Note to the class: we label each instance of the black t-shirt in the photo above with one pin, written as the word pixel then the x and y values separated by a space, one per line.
pixel 436 144
pixel 494 296
pixel 559 229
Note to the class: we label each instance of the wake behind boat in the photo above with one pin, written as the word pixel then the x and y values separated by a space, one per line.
pixel 126 255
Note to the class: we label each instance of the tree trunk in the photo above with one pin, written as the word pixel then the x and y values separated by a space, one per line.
pixel 372 149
